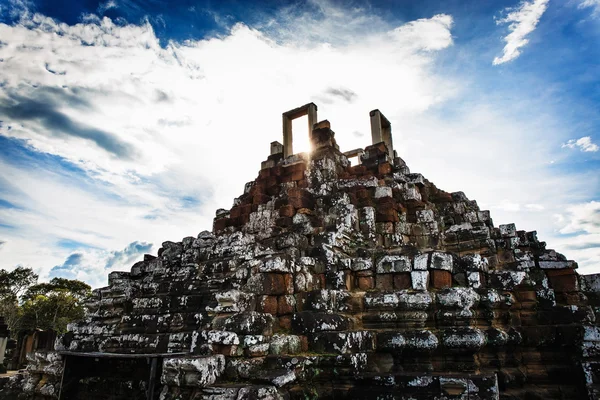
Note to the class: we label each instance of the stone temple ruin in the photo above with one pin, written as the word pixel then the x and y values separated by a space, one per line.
pixel 327 280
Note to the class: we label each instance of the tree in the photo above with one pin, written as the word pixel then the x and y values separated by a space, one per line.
pixel 26 304
pixel 54 304
pixel 13 285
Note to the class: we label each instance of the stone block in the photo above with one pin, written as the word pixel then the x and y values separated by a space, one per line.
pixel 365 282
pixel 384 282
pixel 420 280
pixel 194 372
pixel 471 339
pixel 474 279
pixel 402 281
pixel 383 191
pixel 361 264
pixel 508 230
pixel 440 279
pixel 246 323
pixel 421 262
pixel 401 300
pixel 393 263
pixel 311 322
pixel 267 304
pixel 386 215
pixel 342 342
pixel 557 264
pixel 287 211
pixel 442 261
pixel 563 280
pixel 286 304
pixel 384 168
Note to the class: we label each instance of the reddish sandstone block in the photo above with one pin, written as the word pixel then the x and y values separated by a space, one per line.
pixel 384 282
pixel 264 173
pixel 358 170
pixel 235 212
pixel 246 209
pixel 271 181
pixel 274 284
pixel 440 279
pixel 297 175
pixel 260 199
pixel 239 221
pixel 363 194
pixel 563 280
pixel 384 168
pixel 386 215
pixel 365 282
pixel 268 304
pixel 287 211
pixel 402 281
pixel 286 305
pixel 285 322
pixel 220 224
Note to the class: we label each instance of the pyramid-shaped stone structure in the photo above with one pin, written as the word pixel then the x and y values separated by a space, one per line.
pixel 332 280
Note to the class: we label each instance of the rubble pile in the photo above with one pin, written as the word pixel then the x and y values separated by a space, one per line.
pixel 327 280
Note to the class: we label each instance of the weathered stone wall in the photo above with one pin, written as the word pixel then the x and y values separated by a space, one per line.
pixel 332 281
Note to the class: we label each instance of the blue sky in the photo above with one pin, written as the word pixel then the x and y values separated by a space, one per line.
pixel 127 123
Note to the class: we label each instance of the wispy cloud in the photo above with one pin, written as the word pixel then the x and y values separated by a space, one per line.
pixel 594 4
pixel 584 144
pixel 130 253
pixel 580 223
pixel 583 217
pixel 68 269
pixel 92 265
pixel 137 130
pixel 522 21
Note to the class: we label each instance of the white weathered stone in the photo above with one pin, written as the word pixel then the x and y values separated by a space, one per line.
pixel 419 279
pixel 424 216
pixel 474 279
pixel 508 230
pixel 557 264
pixel 383 191
pixel 361 264
pixel 195 372
pixel 421 262
pixel 441 261
pixel 391 263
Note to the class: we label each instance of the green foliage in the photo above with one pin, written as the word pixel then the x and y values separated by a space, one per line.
pixel 26 304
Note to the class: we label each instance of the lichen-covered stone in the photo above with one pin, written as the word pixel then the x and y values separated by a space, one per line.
pixel 326 280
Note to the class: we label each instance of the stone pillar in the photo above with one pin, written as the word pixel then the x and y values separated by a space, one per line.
pixel 309 109
pixel 288 148
pixel 381 131
pixel 312 116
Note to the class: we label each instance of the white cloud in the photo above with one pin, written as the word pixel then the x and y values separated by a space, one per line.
pixel 523 20
pixel 584 144
pixel 154 126
pixel 580 223
pixel 594 4
pixel 583 217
